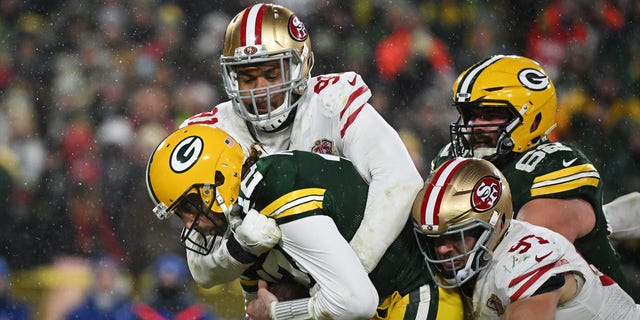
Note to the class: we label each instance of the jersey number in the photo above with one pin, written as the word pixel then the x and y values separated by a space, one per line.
pixel 325 81
pixel 531 159
pixel 524 244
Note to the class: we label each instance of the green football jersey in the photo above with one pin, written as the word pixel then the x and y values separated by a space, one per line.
pixel 557 170
pixel 294 185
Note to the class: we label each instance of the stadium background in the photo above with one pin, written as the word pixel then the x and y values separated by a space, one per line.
pixel 88 88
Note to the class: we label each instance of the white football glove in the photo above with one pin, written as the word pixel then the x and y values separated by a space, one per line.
pixel 257 233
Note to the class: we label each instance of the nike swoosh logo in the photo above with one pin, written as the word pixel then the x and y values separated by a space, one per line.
pixel 568 163
pixel 538 259
pixel 353 81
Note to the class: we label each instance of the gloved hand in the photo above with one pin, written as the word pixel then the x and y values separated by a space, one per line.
pixel 257 233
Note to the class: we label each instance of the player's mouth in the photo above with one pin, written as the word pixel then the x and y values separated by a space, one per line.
pixel 452 265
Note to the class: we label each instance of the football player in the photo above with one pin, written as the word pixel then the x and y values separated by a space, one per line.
pixel 318 201
pixel 510 269
pixel 266 64
pixel 507 107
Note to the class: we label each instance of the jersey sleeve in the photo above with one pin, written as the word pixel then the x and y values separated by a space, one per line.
pixel 530 260
pixel 383 160
pixel 207 117
pixel 215 268
pixel 564 172
pixel 343 289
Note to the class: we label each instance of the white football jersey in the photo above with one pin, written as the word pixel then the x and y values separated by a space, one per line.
pixel 526 258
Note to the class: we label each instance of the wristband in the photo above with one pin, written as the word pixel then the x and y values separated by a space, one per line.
pixel 290 310
pixel 238 253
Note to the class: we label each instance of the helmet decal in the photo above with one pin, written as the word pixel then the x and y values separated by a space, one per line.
pixel 486 194
pixel 297 29
pixel 249 50
pixel 533 79
pixel 186 154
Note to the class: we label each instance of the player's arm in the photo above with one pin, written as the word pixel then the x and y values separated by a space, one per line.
pixel 544 305
pixel 623 216
pixel 381 157
pixel 234 253
pixel 573 218
pixel 343 289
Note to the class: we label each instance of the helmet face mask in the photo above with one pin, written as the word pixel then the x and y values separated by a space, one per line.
pixel 469 256
pixel 459 218
pixel 487 138
pixel 204 224
pixel 514 84
pixel 263 34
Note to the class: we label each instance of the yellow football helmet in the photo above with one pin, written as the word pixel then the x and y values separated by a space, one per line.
pixel 461 198
pixel 515 86
pixel 196 162
pixel 263 33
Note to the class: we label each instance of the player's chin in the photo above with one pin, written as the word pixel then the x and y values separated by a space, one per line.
pixel 288 290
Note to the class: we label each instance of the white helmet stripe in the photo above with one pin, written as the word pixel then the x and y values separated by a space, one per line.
pixel 252 26
pixel 437 189
pixel 464 88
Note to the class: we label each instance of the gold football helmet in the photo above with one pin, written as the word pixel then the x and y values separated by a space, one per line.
pixel 199 164
pixel 263 33
pixel 515 87
pixel 464 197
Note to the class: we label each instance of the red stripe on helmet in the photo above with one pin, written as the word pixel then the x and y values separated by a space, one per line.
pixel 450 173
pixel 243 27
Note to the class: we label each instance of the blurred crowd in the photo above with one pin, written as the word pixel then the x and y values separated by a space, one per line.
pixel 89 87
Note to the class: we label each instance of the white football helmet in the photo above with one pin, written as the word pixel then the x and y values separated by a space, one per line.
pixel 264 33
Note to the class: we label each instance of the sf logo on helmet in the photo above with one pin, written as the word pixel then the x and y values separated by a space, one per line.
pixel 533 79
pixel 297 29
pixel 186 154
pixel 486 193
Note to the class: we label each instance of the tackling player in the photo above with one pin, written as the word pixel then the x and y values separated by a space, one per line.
pixel 274 101
pixel 507 107
pixel 318 202
pixel 510 269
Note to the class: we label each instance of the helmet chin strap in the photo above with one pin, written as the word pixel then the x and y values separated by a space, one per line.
pixel 232 219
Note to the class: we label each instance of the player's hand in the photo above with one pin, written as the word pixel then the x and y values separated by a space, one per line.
pixel 257 234
pixel 258 309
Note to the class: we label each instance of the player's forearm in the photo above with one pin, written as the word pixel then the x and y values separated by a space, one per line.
pixel 393 183
pixel 343 290
pixel 623 216
pixel 217 267
pixel 391 195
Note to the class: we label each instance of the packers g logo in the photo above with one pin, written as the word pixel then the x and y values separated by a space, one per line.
pixel 533 79
pixel 186 154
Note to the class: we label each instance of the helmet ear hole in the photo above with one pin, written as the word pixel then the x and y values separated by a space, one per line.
pixel 536 122
pixel 219 178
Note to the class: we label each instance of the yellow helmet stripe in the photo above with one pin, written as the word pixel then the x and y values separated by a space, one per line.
pixel 295 202
pixel 565 179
